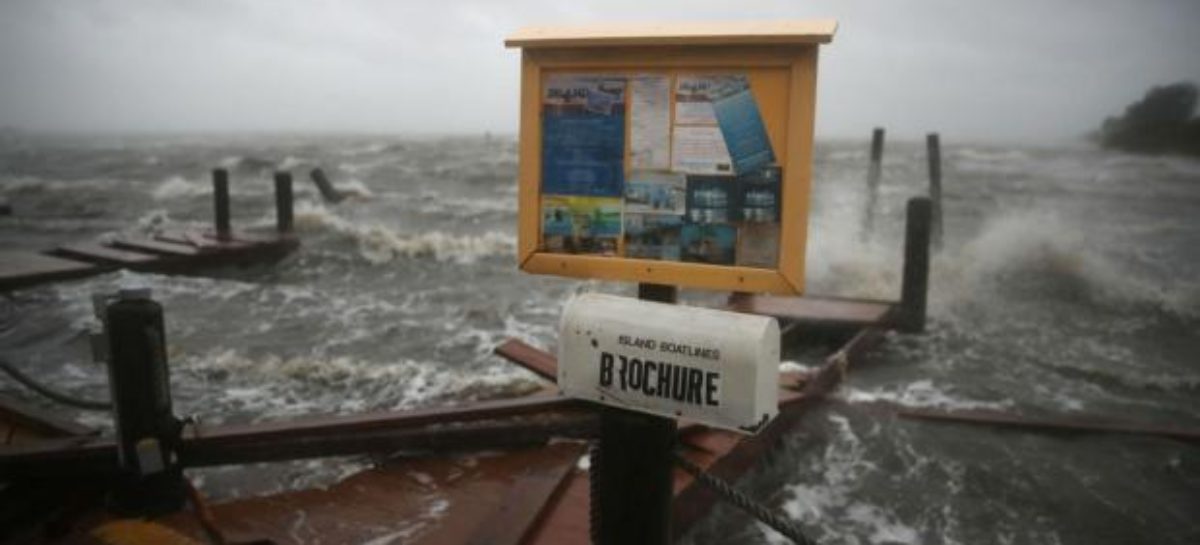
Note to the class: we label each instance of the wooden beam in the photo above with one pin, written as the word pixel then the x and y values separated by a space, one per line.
pixel 158 247
pixel 813 310
pixel 25 416
pixel 540 362
pixel 1048 425
pixel 98 253
pixel 524 501
pixel 492 424
pixel 690 33
pixel 21 269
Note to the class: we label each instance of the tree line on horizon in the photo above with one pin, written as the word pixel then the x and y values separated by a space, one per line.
pixel 1163 121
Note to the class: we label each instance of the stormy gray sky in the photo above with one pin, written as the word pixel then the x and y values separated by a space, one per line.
pixel 1011 70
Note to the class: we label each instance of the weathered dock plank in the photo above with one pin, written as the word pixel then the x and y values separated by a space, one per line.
pixel 813 310
pixel 22 269
pixel 97 252
pixel 490 498
pixel 158 247
pixel 177 252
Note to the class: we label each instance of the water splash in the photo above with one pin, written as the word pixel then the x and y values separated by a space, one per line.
pixel 380 244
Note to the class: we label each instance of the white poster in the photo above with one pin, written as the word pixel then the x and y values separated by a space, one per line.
pixel 700 150
pixel 692 103
pixel 650 122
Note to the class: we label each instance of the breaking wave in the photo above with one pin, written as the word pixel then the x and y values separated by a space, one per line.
pixel 179 187
pixel 272 387
pixel 921 393
pixel 833 504
pixel 379 244
pixel 1040 254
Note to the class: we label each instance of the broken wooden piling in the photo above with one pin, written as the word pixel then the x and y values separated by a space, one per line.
pixel 328 192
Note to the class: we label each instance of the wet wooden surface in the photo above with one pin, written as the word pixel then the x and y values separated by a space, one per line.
pixel 812 310
pixel 20 269
pixel 490 498
pixel 516 495
pixel 174 252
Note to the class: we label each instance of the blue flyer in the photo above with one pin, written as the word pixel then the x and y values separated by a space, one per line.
pixel 583 136
pixel 742 126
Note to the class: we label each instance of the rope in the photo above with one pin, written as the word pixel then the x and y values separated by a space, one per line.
pixel 60 397
pixel 743 502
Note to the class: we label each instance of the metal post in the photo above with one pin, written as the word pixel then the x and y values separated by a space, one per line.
pixel 631 467
pixel 283 202
pixel 148 434
pixel 873 175
pixel 934 152
pixel 220 180
pixel 914 288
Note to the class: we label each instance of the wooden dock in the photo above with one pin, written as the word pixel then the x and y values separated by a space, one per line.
pixel 494 472
pixel 170 252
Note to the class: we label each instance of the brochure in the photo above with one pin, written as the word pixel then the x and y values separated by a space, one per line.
pixel 713 243
pixel 743 130
pixel 760 195
pixel 581 224
pixel 653 236
pixel 711 199
pixel 758 245
pixel 700 150
pixel 650 122
pixel 649 192
pixel 583 135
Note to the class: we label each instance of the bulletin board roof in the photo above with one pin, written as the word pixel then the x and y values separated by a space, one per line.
pixel 708 33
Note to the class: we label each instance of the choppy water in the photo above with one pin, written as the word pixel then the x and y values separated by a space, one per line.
pixel 1069 285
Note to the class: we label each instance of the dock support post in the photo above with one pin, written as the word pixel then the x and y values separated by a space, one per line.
pixel 283 202
pixel 328 192
pixel 631 468
pixel 914 288
pixel 220 181
pixel 934 152
pixel 873 175
pixel 148 434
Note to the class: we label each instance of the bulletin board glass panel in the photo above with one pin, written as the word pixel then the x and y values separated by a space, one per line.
pixel 680 175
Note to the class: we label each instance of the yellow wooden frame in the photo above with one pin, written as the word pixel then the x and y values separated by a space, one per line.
pixel 782 69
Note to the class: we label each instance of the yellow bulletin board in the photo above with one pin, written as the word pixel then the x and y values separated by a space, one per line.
pixel 668 154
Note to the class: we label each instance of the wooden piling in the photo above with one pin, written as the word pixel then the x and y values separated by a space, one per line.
pixel 328 192
pixel 934 153
pixel 873 175
pixel 283 202
pixel 915 283
pixel 631 467
pixel 220 181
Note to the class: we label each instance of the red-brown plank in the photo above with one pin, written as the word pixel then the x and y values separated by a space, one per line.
pixel 524 501
pixel 434 500
pixel 542 363
pixel 157 246
pixel 99 253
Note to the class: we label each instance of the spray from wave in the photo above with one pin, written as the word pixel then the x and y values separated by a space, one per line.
pixel 1042 254
pixel 379 244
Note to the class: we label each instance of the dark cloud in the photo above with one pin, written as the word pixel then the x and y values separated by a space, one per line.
pixel 1020 70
